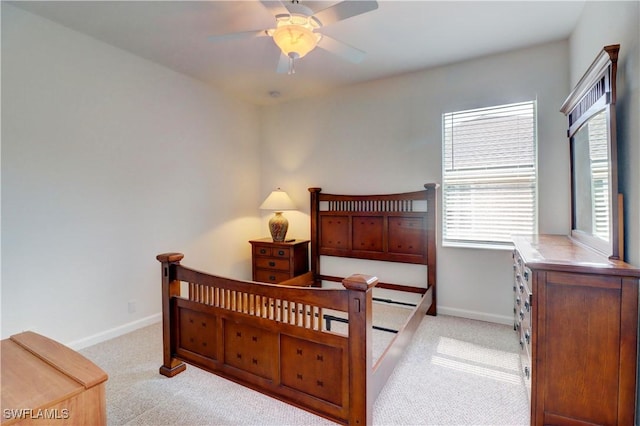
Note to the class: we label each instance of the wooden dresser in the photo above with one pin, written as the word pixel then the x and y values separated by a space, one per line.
pixel 46 383
pixel 576 314
pixel 274 262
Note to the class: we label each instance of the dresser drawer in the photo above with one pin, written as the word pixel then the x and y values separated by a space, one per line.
pixel 525 358
pixel 269 276
pixel 272 263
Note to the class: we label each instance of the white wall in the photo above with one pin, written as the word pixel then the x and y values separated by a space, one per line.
pixel 108 160
pixel 385 136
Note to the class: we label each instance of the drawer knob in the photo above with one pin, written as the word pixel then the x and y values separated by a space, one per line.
pixel 263 251
pixel 272 264
pixel 272 278
pixel 280 252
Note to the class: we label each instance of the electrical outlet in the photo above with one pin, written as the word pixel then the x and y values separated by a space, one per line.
pixel 132 306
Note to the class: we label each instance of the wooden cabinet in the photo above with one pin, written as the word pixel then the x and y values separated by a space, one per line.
pixel 274 262
pixel 576 315
pixel 46 383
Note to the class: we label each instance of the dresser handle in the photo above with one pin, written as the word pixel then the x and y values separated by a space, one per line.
pixel 280 252
pixel 263 251
pixel 272 278
pixel 272 264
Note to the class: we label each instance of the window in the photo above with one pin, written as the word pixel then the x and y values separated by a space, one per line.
pixel 489 174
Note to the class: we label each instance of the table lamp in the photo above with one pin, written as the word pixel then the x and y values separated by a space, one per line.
pixel 278 201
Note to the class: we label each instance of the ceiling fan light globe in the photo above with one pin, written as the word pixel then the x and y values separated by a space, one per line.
pixel 295 39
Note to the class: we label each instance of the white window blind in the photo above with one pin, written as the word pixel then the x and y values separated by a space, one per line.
pixel 489 174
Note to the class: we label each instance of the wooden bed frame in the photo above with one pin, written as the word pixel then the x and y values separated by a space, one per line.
pixel 271 338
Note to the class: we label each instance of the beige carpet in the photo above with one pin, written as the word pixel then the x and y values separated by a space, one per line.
pixel 455 372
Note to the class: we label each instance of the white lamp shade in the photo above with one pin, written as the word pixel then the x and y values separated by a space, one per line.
pixel 278 201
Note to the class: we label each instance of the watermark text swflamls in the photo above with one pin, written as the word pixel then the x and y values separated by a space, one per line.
pixel 39 414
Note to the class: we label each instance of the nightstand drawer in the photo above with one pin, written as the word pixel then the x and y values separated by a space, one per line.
pixel 271 251
pixel 261 251
pixel 272 263
pixel 280 252
pixel 268 276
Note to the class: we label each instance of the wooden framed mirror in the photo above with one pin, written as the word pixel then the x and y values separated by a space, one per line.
pixel 596 206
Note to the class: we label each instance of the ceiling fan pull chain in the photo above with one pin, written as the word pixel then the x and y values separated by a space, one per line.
pixel 291 65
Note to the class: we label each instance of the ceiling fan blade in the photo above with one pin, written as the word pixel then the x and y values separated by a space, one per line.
pixel 275 7
pixel 343 10
pixel 341 49
pixel 240 35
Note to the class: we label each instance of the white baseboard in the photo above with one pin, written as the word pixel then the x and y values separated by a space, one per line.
pixel 481 316
pixel 115 332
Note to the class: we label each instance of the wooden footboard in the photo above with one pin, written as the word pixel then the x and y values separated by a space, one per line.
pixel 270 338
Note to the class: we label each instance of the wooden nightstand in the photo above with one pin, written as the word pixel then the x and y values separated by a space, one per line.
pixel 275 262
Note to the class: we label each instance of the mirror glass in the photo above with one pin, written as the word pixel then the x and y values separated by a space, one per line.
pixel 591 178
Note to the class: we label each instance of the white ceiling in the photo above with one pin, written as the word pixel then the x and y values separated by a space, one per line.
pixel 399 37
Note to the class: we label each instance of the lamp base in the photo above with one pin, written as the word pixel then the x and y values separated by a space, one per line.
pixel 278 226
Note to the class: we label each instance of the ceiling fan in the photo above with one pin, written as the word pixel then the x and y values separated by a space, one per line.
pixel 295 31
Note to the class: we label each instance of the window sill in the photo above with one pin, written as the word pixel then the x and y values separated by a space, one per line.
pixel 484 246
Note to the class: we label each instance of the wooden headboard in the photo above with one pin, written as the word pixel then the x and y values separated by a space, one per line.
pixel 389 227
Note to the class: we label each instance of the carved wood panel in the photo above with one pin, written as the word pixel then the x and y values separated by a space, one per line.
pixel 407 235
pixel 313 368
pixel 335 232
pixel 198 332
pixel 368 233
pixel 251 349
